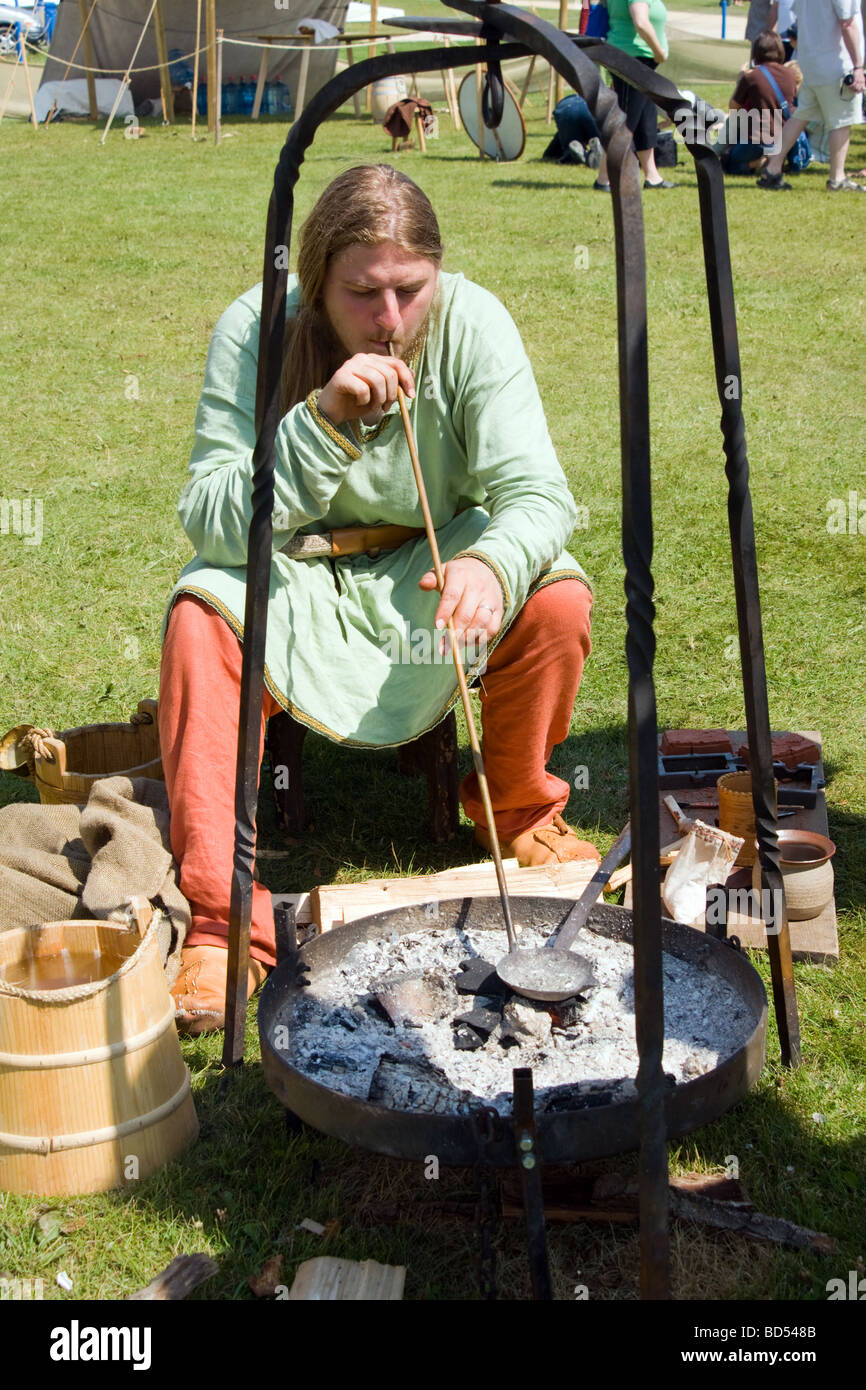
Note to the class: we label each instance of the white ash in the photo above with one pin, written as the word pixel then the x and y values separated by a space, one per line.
pixel 412 1063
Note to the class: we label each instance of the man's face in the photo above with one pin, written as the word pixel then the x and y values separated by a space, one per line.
pixel 374 295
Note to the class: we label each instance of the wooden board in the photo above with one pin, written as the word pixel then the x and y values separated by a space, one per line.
pixel 814 940
pixel 334 904
pixel 328 1279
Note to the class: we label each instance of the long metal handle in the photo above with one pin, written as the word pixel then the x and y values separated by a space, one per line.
pixel 592 892
pixel 458 666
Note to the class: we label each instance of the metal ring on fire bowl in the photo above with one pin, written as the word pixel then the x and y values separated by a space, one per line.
pixel 569 1136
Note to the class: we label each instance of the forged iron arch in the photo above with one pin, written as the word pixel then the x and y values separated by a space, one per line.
pixel 510 32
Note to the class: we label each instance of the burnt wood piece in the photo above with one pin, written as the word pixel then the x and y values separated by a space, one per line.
pixel 434 755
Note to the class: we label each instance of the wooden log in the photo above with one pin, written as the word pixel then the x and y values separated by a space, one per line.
pixel 709 1200
pixel 179 1278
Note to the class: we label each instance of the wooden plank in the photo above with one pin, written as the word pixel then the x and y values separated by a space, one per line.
pixel 331 905
pixel 328 1279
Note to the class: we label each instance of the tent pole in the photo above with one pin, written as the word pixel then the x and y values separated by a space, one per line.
pixel 563 24
pixel 479 104
pixel 218 121
pixel 125 83
pixel 195 64
pixel 22 42
pixel 8 92
pixel 89 56
pixel 162 59
pixel 372 50
pixel 211 68
pixel 72 60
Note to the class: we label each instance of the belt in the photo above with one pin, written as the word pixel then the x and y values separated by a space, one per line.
pixel 350 540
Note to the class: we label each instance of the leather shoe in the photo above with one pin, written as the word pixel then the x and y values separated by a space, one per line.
pixel 554 843
pixel 199 991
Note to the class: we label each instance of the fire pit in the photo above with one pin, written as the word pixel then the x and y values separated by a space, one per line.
pixel 405 1036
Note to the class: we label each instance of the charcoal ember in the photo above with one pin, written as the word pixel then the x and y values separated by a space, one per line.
pixel 581 1097
pixel 466 1039
pixel 566 1013
pixel 324 1059
pixel 481 1020
pixel 413 1083
pixel 524 1021
pixel 412 998
pixel 479 977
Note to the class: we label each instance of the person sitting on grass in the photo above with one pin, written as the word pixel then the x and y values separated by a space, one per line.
pixel 369 279
pixel 757 135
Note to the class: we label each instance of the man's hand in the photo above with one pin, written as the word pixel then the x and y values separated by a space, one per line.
pixel 471 595
pixel 365 387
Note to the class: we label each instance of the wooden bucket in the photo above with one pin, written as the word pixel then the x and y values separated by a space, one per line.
pixel 66 765
pixel 737 812
pixel 94 1092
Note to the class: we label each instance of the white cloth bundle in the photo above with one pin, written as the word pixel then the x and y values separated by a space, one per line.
pixel 707 856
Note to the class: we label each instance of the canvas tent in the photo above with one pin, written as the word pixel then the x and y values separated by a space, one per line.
pixel 116 25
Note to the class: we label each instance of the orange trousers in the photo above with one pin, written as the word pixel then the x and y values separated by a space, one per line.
pixel 530 684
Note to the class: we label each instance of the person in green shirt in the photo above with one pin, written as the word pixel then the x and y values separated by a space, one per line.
pixel 639 30
pixel 354 643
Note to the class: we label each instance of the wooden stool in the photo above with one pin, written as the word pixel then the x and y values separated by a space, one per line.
pixel 434 754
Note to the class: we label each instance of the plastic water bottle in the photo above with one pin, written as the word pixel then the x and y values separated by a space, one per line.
pixel 230 98
pixel 201 102
pixel 283 96
pixel 247 95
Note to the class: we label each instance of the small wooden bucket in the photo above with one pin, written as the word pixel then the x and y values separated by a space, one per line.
pixel 66 765
pixel 737 812
pixel 94 1092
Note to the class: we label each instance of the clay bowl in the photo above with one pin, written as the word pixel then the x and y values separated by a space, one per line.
pixel 806 870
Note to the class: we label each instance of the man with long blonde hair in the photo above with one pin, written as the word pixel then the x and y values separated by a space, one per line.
pixel 369 282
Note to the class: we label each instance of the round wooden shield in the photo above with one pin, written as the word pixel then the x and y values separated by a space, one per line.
pixel 504 143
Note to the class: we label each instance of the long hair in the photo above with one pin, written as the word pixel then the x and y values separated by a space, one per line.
pixel 366 206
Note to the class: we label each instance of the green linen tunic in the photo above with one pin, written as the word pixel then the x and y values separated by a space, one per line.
pixel 351 647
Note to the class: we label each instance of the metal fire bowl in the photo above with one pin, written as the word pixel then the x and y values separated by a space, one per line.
pixel 570 1136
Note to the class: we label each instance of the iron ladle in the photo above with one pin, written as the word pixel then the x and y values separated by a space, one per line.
pixel 553 971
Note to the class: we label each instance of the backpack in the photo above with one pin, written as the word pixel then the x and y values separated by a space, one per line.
pixel 800 153
pixel 598 24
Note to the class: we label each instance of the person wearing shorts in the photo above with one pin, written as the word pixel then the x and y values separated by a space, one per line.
pixel 829 48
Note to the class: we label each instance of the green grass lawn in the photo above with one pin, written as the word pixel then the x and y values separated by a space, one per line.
pixel 117 261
